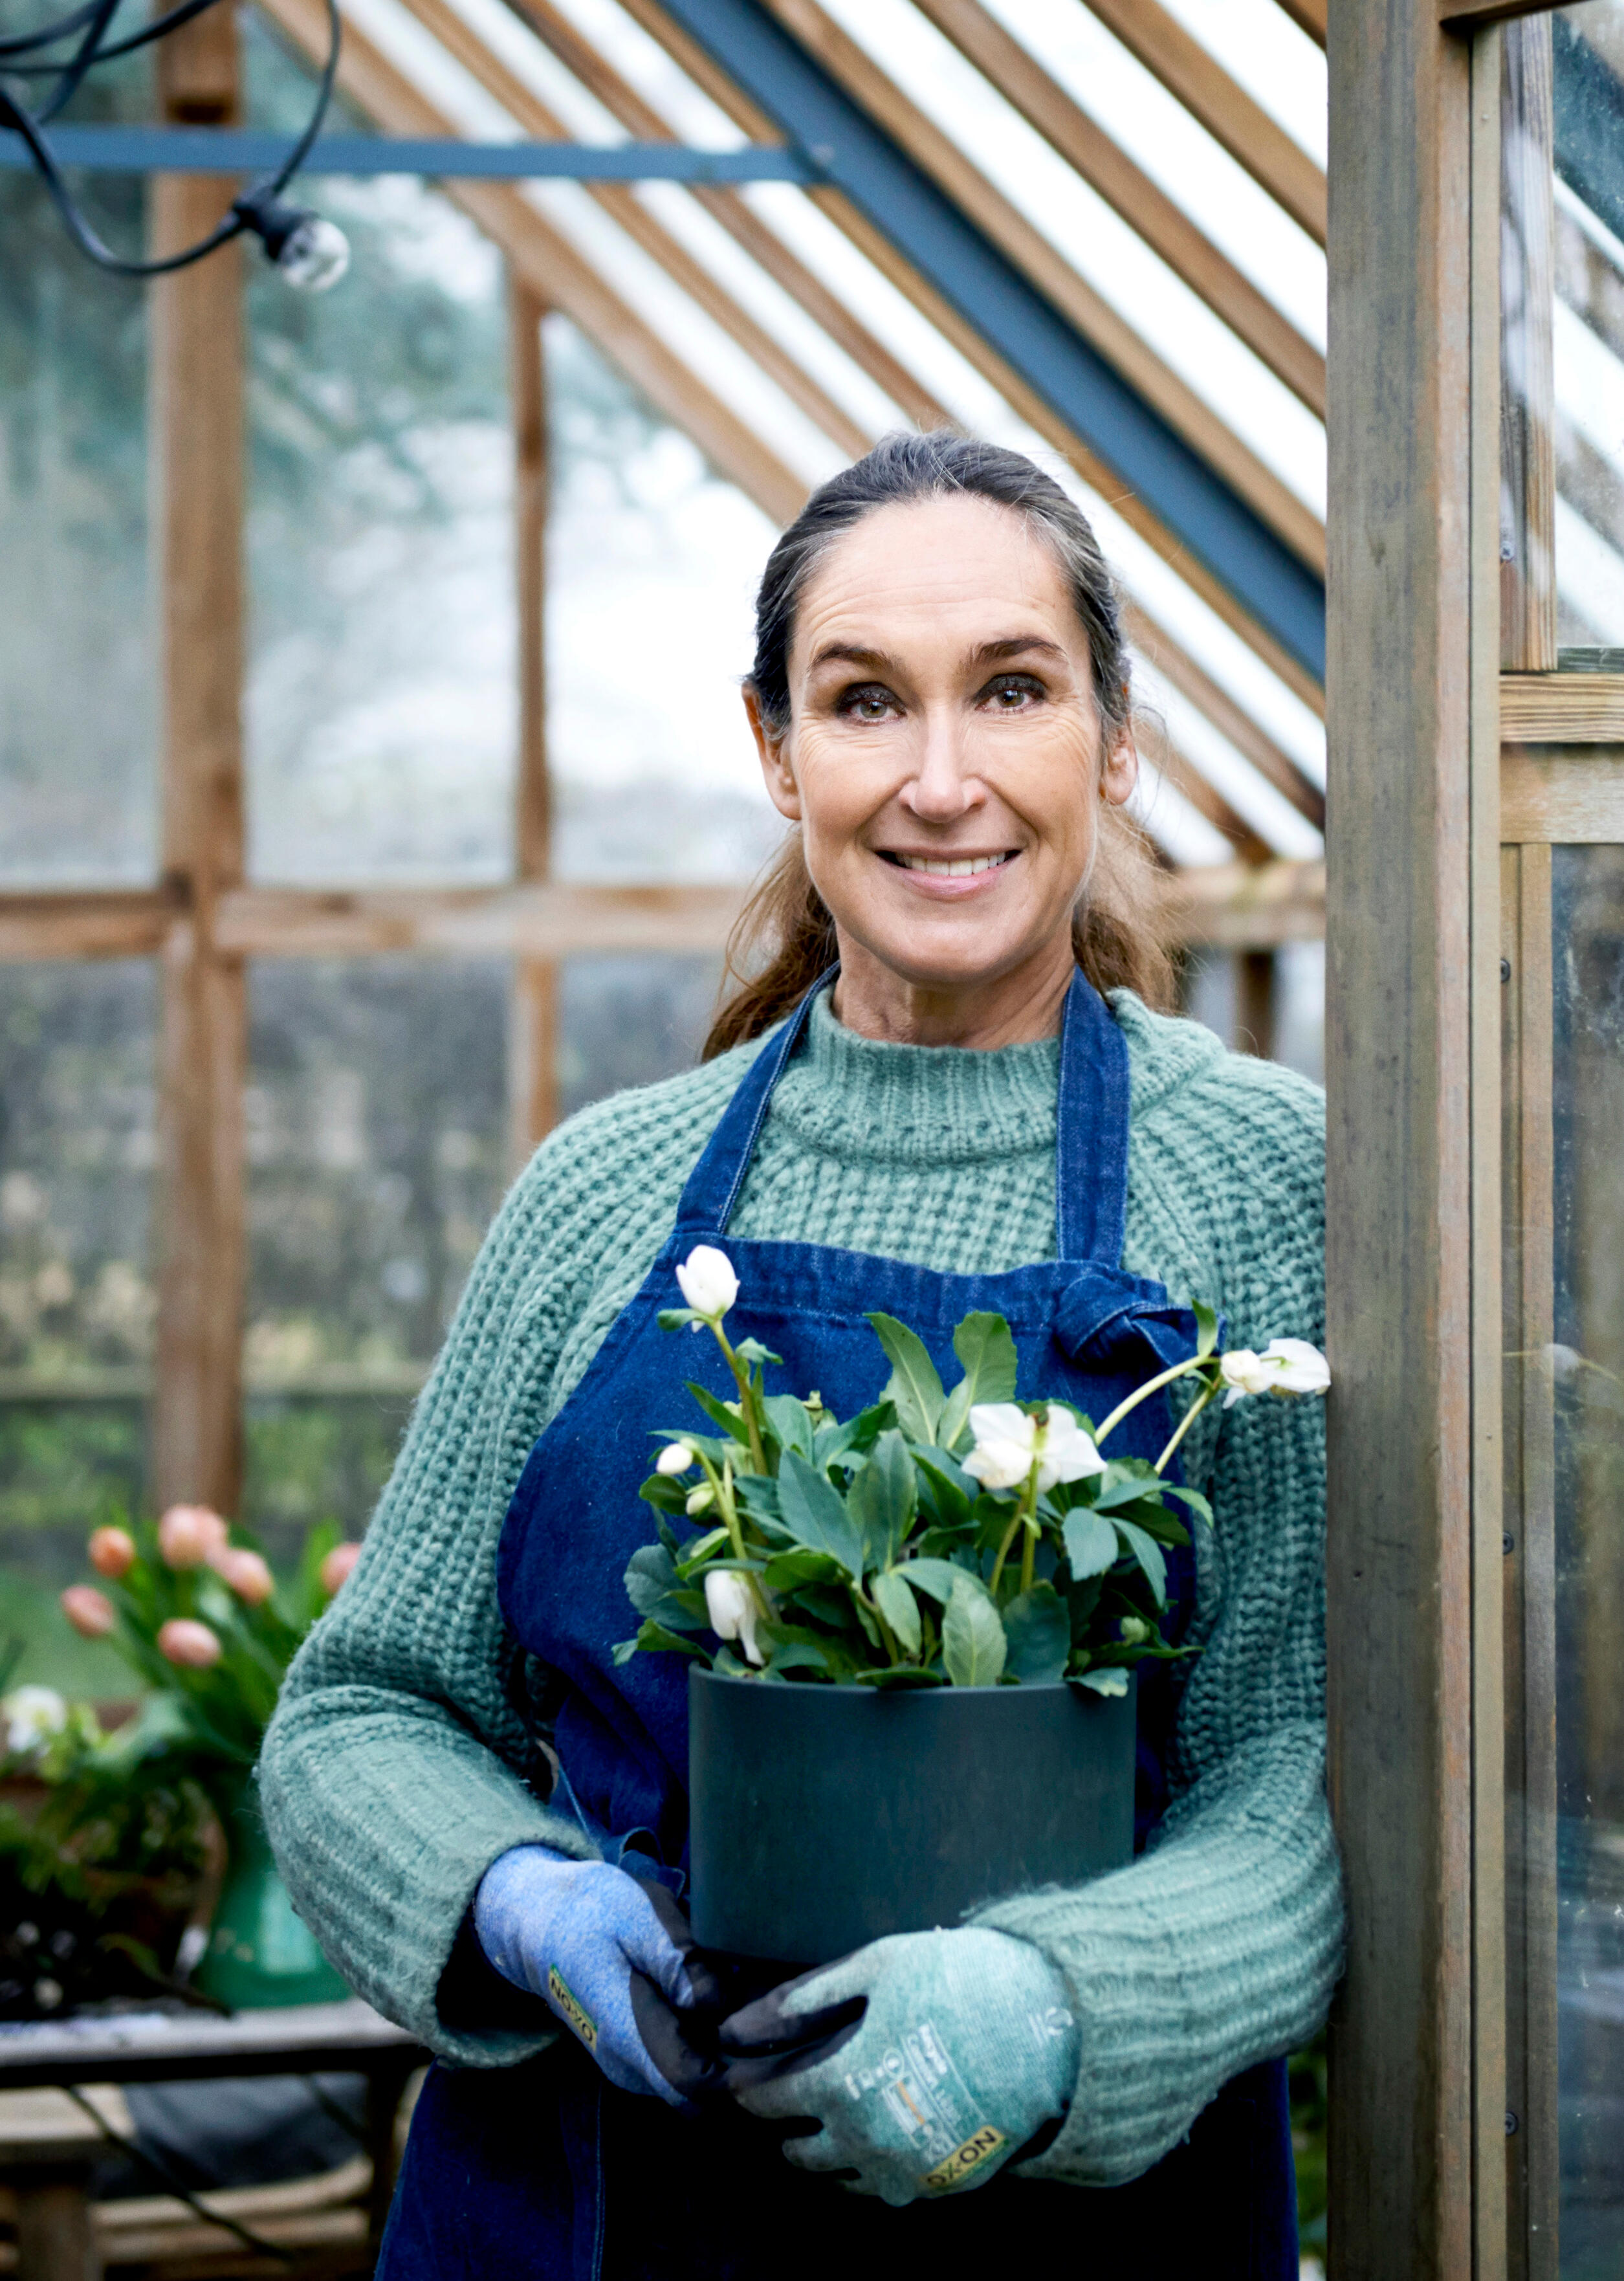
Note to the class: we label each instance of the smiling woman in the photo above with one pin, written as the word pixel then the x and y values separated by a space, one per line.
pixel 940 1093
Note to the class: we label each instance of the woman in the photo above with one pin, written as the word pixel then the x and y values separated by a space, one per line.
pixel 939 699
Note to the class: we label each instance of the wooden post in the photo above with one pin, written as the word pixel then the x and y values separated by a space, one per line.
pixel 532 1085
pixel 1405 949
pixel 1254 1003
pixel 197 457
pixel 1527 429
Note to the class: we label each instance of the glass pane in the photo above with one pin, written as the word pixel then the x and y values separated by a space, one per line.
pixel 76 1303
pixel 1586 1385
pixel 376 1140
pixel 631 1021
pixel 78 797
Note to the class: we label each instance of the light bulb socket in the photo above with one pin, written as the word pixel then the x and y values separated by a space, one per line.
pixel 309 250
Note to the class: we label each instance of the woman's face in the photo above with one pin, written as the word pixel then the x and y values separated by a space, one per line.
pixel 943 754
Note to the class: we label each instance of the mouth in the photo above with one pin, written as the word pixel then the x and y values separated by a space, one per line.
pixel 949 867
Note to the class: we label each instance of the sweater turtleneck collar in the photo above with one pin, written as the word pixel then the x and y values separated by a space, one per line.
pixel 854 1097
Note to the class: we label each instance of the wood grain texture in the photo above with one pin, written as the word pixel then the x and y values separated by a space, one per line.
pixel 1186 412
pixel 1228 113
pixel 1527 406
pixel 1553 795
pixel 543 919
pixel 63 924
pixel 1309 16
pixel 533 1010
pixel 559 275
pixel 1562 708
pixel 1398 1202
pixel 1164 225
pixel 1245 907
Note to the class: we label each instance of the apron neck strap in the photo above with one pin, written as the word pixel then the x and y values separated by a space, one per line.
pixel 1091 1137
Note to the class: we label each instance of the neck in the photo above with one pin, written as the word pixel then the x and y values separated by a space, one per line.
pixel 1014 1009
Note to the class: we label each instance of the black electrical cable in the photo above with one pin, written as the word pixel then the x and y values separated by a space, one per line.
pixel 257 209
pixel 173 2185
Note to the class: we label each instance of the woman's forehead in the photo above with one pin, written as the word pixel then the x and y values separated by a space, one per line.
pixel 945 569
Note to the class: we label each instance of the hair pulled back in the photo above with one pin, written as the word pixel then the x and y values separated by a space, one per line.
pixel 784 937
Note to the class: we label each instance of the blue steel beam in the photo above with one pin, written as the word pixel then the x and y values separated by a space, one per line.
pixel 857 157
pixel 230 151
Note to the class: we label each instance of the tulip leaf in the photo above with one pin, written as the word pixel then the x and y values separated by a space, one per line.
pixel 1206 1329
pixel 882 1500
pixel 1107 1682
pixel 913 1385
pixel 1148 1554
pixel 934 1578
pixel 1038 1629
pixel 900 1609
pixel 972 1637
pixel 790 1422
pixel 815 1514
pixel 983 1344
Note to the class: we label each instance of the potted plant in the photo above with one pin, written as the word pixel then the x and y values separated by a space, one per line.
pixel 197 1613
pixel 936 1608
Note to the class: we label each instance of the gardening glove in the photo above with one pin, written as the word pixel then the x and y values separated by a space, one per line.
pixel 929 2060
pixel 611 1956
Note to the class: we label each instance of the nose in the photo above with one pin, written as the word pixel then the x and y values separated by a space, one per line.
pixel 942 788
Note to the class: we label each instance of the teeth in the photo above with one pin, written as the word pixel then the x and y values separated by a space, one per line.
pixel 964 867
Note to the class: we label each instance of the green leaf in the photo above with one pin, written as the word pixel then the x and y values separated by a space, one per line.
pixel 937 1578
pixel 899 1607
pixel 1107 1682
pixel 1039 1631
pixel 913 1385
pixel 1191 1497
pixel 983 1344
pixel 883 1499
pixel 798 1655
pixel 815 1515
pixel 733 1427
pixel 786 1571
pixel 790 1422
pixel 1206 1329
pixel 676 1319
pixel 702 1549
pixel 654 1590
pixel 947 1490
pixel 1148 1554
pixel 898 1674
pixel 655 1635
pixel 751 1351
pixel 1090 1543
pixel 973 1638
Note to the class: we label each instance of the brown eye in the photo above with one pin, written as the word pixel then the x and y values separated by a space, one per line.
pixel 1014 693
pixel 870 703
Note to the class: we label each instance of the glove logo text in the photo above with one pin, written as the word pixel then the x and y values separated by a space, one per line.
pixel 575 2012
pixel 963 2160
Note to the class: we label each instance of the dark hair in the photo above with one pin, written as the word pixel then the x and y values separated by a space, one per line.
pixel 784 937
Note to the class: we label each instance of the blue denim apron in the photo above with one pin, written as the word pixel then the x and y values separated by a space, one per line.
pixel 548 2170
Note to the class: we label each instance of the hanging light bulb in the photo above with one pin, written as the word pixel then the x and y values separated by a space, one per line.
pixel 309 250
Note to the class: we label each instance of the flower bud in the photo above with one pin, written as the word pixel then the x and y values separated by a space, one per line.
pixel 112 1552
pixel 699 1499
pixel 89 1612
pixel 337 1565
pixel 189 1534
pixel 676 1457
pixel 191 1646
pixel 247 1574
pixel 707 1282
pixel 29 1717
pixel 734 1610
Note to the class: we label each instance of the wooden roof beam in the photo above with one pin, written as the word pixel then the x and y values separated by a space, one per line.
pixel 1203 87
pixel 1228 718
pixel 556 271
pixel 1163 226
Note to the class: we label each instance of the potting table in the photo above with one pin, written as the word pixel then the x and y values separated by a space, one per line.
pixel 49 2166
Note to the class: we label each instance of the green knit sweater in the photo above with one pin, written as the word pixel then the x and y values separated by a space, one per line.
pixel 392 1775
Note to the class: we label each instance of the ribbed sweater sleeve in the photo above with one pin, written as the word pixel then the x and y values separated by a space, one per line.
pixel 1220 1946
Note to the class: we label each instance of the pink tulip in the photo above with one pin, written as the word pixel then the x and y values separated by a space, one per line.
pixel 189 1534
pixel 337 1565
pixel 192 1645
pixel 89 1612
pixel 247 1574
pixel 112 1552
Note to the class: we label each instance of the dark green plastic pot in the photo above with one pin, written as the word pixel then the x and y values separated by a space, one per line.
pixel 825 1817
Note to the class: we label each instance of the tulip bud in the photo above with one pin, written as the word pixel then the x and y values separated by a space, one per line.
pixel 337 1565
pixel 191 1646
pixel 247 1574
pixel 89 1612
pixel 734 1609
pixel 112 1552
pixel 189 1534
pixel 676 1457
pixel 707 1282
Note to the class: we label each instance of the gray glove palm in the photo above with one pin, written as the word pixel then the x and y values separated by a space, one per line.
pixel 928 2059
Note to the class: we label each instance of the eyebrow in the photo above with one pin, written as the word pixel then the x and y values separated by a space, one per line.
pixel 985 653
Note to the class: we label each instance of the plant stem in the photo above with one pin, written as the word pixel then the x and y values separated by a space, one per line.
pixel 1024 1511
pixel 722 1484
pixel 746 1399
pixel 1028 1551
pixel 1188 1419
pixel 1150 1386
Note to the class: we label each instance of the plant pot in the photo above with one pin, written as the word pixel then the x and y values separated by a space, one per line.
pixel 259 1954
pixel 826 1817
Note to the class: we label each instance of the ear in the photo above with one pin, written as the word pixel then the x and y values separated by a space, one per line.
pixel 1120 773
pixel 772 752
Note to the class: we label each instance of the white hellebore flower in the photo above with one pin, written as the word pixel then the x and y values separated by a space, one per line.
pixel 1285 1367
pixel 32 1715
pixel 734 1609
pixel 676 1457
pixel 1007 1441
pixel 707 1281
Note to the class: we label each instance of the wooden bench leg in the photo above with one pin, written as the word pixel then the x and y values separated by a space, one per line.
pixel 56 2239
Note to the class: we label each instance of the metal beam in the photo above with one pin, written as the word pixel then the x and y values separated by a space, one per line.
pixel 895 197
pixel 228 150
